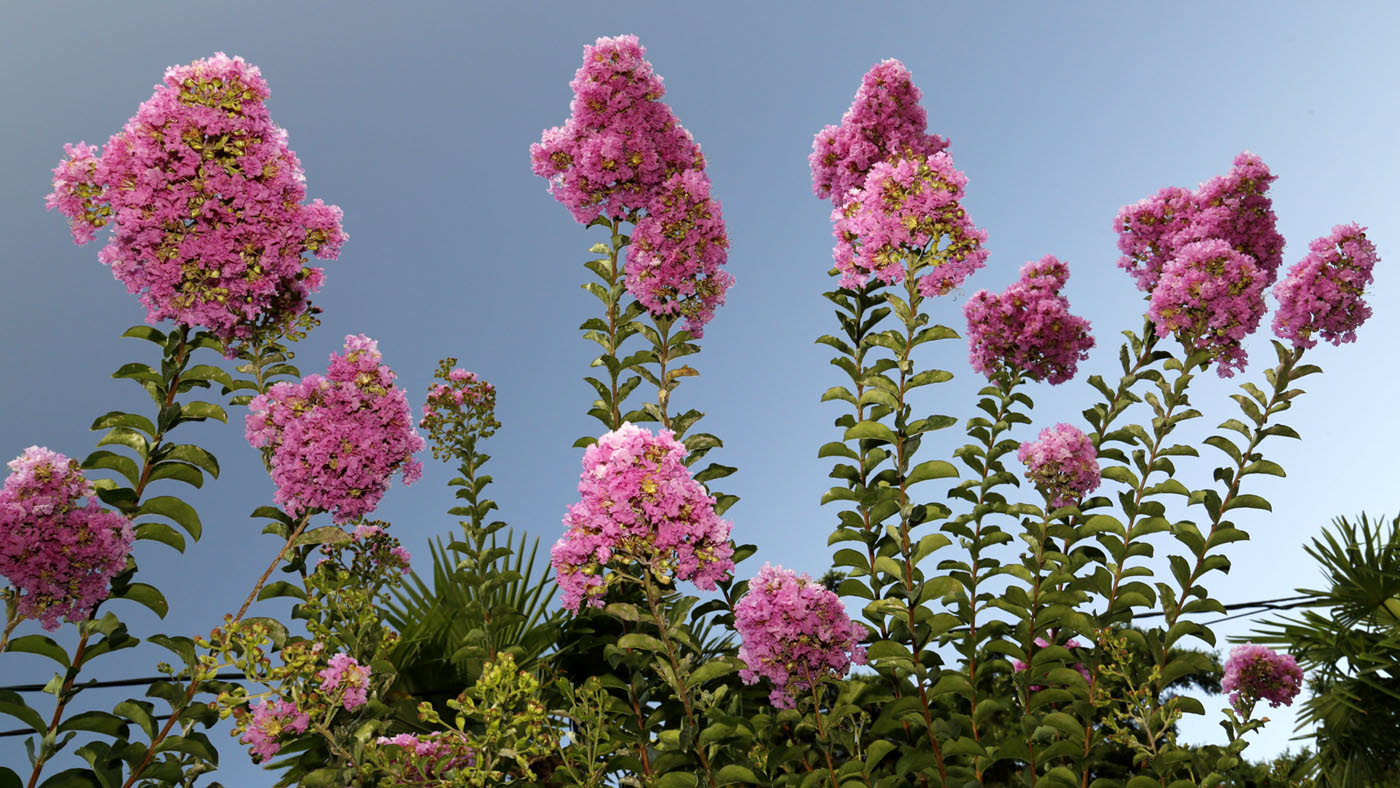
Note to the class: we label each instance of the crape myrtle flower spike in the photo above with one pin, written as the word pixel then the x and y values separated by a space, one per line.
pixel 1258 672
pixel 1323 293
pixel 334 441
pixel 639 505
pixel 794 631
pixel 1063 464
pixel 1028 327
pixel 207 203
pixel 58 547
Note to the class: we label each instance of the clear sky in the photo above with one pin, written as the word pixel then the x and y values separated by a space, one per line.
pixel 416 119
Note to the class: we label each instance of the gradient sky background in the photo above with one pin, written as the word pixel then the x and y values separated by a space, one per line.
pixel 417 120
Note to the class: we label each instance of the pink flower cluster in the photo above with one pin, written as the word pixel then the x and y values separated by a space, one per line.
pixel 207 200
pixel 1212 297
pixel 883 122
pixel 621 153
pixel 1063 464
pixel 639 505
pixel 1017 666
pixel 424 760
pixel 458 411
pixel 795 633
pixel 383 548
pixel 908 210
pixel 1254 672
pixel 334 441
pixel 58 546
pixel 347 679
pixel 270 722
pixel 673 264
pixel 1233 208
pixel 621 142
pixel 1322 294
pixel 1028 327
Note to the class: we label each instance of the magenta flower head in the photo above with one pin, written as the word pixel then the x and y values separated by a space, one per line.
pixel 270 723
pixel 429 759
pixel 1063 464
pixel 1323 293
pixel 459 411
pixel 347 680
pixel 1028 328
pixel 639 506
pixel 58 547
pixel 207 202
pixel 621 144
pixel 884 121
pixel 673 264
pixel 333 442
pixel 1212 297
pixel 1255 672
pixel 1233 208
pixel 908 212
pixel 794 633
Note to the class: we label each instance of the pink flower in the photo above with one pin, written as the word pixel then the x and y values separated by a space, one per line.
pixel 346 678
pixel 795 633
pixel 908 210
pixel 426 759
pixel 673 264
pixel 883 122
pixel 59 548
pixel 621 142
pixel 639 506
pixel 1018 666
pixel 1211 297
pixel 1254 672
pixel 207 201
pixel 334 441
pixel 270 723
pixel 1062 464
pixel 1028 327
pixel 1233 208
pixel 459 411
pixel 1323 292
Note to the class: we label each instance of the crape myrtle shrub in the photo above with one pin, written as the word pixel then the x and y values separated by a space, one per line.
pixel 997 620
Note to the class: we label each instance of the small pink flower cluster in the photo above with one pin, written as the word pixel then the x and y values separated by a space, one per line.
pixel 1214 251
pixel 270 722
pixel 673 264
pixel 1254 672
pixel 1211 297
pixel 1233 208
pixel 58 546
pixel 1322 294
pixel 207 201
pixel 621 153
pixel 1028 327
pixel 883 122
pixel 1018 666
pixel 908 208
pixel 384 549
pixel 424 760
pixel 1063 464
pixel 334 441
pixel 459 411
pixel 639 505
pixel 346 678
pixel 794 632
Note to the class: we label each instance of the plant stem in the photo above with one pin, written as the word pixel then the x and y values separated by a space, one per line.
pixel 682 693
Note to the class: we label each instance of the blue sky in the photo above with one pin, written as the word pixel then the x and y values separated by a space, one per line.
pixel 417 122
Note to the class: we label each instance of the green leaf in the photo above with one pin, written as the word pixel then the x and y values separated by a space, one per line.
pixel 179 512
pixel 871 430
pixel 97 722
pixel 41 645
pixel 199 411
pixel 677 780
pixel 734 773
pixel 326 534
pixel 125 436
pixel 139 712
pixel 118 418
pixel 111 461
pixel 12 704
pixel 147 333
pixel 933 469
pixel 178 471
pixel 194 455
pixel 640 641
pixel 837 449
pixel 1247 502
pixel 72 778
pixel 710 670
pixel 147 595
pixel 160 532
pixel 281 588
